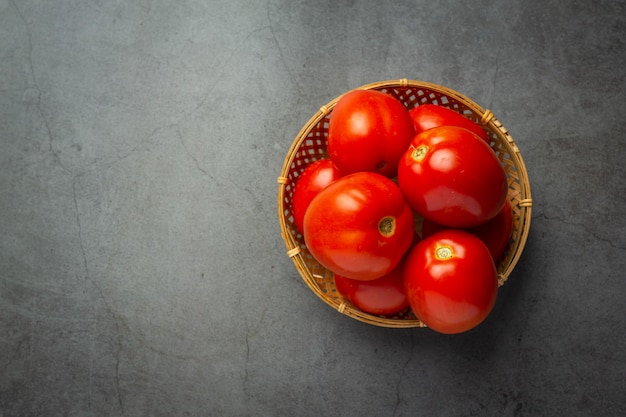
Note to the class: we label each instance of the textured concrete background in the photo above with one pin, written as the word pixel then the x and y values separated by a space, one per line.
pixel 142 271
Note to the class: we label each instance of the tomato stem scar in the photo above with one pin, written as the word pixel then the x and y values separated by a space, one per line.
pixel 444 252
pixel 387 226
pixel 419 153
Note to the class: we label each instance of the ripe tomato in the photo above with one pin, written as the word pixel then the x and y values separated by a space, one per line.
pixel 314 179
pixel 451 281
pixel 383 296
pixel 427 116
pixel 495 233
pixel 368 131
pixel 453 178
pixel 359 226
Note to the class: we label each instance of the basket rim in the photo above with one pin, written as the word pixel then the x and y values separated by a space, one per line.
pixel 487 119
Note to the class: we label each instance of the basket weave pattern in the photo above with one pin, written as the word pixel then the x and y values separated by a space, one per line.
pixel 310 145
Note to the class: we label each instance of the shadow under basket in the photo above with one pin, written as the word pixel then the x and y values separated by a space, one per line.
pixel 310 145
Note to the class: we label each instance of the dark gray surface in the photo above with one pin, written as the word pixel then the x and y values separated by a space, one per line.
pixel 141 266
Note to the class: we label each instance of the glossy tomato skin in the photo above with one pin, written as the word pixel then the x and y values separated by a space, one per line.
pixel 450 176
pixel 314 179
pixel 369 131
pixel 428 116
pixel 451 282
pixel 359 226
pixel 495 233
pixel 383 296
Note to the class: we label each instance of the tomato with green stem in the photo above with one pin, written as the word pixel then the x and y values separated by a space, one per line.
pixel 450 176
pixel 359 226
pixel 451 281
pixel 495 233
pixel 383 296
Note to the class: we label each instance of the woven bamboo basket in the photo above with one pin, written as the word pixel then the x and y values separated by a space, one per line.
pixel 310 145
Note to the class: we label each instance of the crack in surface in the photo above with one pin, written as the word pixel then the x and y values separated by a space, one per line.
pixel 80 228
pixel 250 333
pixel 245 366
pixel 398 385
pixel 281 54
pixel 36 87
pixel 220 71
pixel 99 163
pixel 38 102
pixel 584 226
pixel 495 78
pixel 192 156
pixel 116 322
pixel 101 295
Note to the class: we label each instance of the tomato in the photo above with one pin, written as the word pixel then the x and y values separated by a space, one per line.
pixel 495 233
pixel 359 226
pixel 368 131
pixel 451 281
pixel 383 296
pixel 314 179
pixel 427 116
pixel 450 176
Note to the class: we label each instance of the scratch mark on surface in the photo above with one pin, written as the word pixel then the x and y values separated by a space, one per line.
pixel 101 295
pixel 584 226
pixel 192 156
pixel 80 228
pixel 402 373
pixel 283 61
pixel 118 338
pixel 118 354
pixel 495 78
pixel 216 80
pixel 87 276
pixel 35 83
pixel 245 366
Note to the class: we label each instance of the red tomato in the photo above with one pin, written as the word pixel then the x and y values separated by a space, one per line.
pixel 451 281
pixel 314 179
pixel 451 177
pixel 427 116
pixel 359 226
pixel 369 131
pixel 495 233
pixel 382 296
